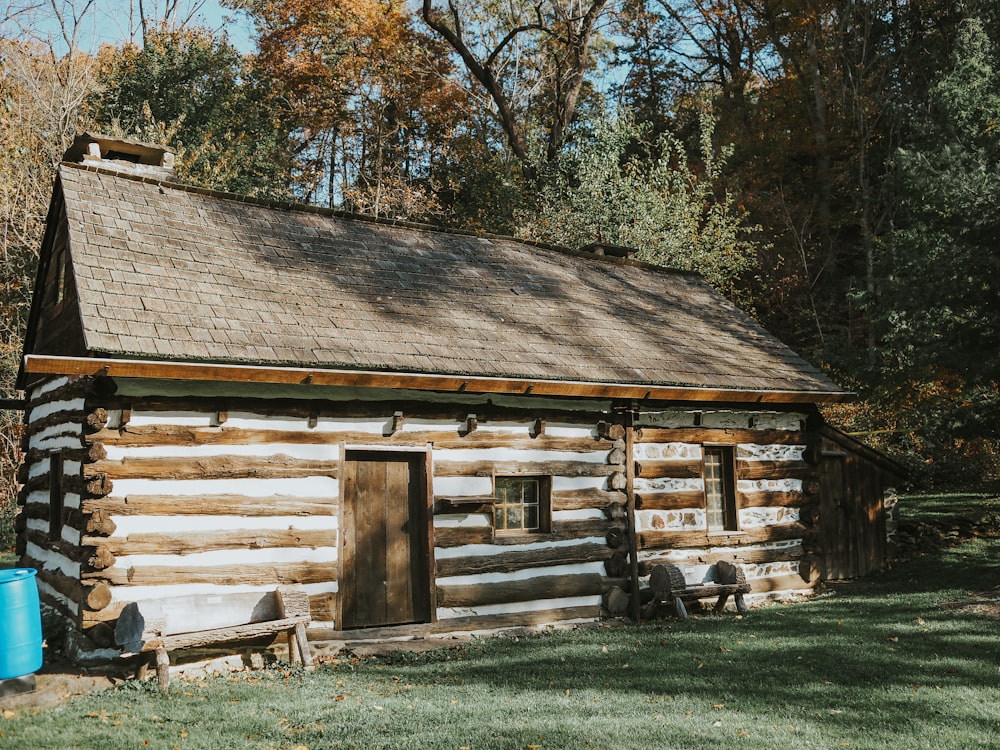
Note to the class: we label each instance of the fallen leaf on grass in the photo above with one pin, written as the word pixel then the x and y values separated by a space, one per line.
pixel 718 706
pixel 9 713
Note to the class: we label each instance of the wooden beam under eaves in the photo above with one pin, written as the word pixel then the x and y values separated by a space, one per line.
pixel 36 364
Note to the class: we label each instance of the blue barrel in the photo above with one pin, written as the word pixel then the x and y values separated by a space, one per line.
pixel 20 623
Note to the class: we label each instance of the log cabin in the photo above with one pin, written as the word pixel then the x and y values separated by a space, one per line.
pixel 428 430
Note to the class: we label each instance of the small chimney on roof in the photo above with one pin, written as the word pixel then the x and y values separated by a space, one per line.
pixel 122 155
pixel 614 251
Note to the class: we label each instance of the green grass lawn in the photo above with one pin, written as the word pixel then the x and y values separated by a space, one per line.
pixel 947 506
pixel 896 662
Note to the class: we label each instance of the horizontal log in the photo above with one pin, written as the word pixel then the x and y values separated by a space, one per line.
pixel 740 557
pixel 445 505
pixel 73 421
pixel 529 589
pixel 81 387
pixel 770 499
pixel 549 468
pixel 459 624
pixel 562 531
pixel 319 408
pixel 648 469
pixel 153 543
pixel 61 547
pixel 694 539
pixel 213 467
pixel 94 596
pixel 774 470
pixel 511 561
pixel 180 435
pixel 88 454
pixel 720 435
pixel 96 522
pixel 261 574
pixel 670 500
pixel 213 505
pixel 584 499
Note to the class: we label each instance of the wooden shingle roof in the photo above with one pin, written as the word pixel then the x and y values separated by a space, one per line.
pixel 167 272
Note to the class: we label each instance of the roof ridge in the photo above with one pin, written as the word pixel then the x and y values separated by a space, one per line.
pixel 404 223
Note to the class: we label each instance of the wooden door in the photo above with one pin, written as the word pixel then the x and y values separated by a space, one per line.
pixel 835 527
pixel 384 573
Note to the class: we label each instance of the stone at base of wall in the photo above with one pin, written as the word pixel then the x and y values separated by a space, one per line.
pixel 17 685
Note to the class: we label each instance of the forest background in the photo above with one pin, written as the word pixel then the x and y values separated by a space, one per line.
pixel 831 165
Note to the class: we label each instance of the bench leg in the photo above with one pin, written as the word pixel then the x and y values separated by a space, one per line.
pixel 291 646
pixel 680 609
pixel 162 667
pixel 720 604
pixel 741 606
pixel 305 655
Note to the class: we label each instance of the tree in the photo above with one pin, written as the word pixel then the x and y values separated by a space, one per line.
pixel 40 93
pixel 525 54
pixel 189 89
pixel 370 97
pixel 621 188
pixel 937 308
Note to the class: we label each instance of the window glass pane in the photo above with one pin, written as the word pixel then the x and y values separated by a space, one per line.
pixel 521 503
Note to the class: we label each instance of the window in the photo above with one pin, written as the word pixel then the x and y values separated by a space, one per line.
pixel 720 489
pixel 55 496
pixel 521 504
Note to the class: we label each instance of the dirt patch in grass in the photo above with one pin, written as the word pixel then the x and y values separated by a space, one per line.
pixel 982 603
pixel 56 683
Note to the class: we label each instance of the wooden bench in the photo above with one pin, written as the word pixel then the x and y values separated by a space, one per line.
pixel 163 625
pixel 669 585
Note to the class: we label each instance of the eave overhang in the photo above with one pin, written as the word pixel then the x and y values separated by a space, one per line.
pixel 239 373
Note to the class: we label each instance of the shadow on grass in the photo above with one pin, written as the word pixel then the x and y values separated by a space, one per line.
pixel 873 649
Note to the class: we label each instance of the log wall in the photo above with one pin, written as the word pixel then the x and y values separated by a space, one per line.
pixel 171 494
pixel 777 495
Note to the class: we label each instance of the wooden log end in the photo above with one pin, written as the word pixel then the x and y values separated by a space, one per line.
pixel 616 601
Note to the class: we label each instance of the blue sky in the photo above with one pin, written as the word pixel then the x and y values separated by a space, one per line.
pixel 107 21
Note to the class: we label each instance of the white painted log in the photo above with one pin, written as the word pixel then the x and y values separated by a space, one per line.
pixel 524 574
pixel 243 557
pixel 483 550
pixel 49 385
pixel 561 484
pixel 57 437
pixel 462 521
pixel 519 455
pixel 42 411
pixel 463 486
pixel 303 451
pixel 175 524
pixel 44 558
pixel 584 514
pixel 297 487
pixel 126 594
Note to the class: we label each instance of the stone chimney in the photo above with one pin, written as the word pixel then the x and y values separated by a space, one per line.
pixel 123 155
